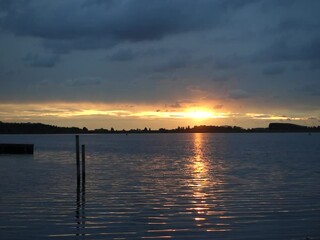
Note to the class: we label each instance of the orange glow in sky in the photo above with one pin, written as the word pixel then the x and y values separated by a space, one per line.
pixel 127 116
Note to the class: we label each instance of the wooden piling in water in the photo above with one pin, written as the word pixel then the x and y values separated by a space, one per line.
pixel 83 151
pixel 83 163
pixel 78 159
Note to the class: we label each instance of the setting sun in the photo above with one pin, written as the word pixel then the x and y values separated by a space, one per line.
pixel 200 114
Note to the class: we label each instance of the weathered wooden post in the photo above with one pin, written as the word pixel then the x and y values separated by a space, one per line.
pixel 83 151
pixel 78 159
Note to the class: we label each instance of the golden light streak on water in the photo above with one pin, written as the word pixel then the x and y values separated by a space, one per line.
pixel 199 179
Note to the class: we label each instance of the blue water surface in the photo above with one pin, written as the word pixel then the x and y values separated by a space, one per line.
pixel 160 186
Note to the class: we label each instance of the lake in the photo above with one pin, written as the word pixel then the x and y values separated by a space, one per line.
pixel 161 186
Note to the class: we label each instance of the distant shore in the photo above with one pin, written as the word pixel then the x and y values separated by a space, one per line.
pixel 40 128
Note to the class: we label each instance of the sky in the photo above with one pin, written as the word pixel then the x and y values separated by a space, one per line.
pixel 131 64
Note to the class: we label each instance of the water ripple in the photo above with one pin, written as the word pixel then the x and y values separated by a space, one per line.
pixel 189 186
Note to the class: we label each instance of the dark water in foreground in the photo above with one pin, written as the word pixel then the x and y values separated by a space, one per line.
pixel 180 186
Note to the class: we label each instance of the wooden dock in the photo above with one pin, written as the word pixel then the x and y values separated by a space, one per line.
pixel 8 148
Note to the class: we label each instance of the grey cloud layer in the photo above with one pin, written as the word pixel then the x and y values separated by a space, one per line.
pixel 92 24
pixel 89 24
pixel 142 50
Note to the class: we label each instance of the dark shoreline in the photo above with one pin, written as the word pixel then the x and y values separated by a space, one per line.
pixel 39 128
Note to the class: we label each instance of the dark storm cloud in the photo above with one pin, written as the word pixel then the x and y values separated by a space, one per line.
pixel 287 50
pixel 310 89
pixel 64 46
pixel 83 82
pixel 238 94
pixel 127 54
pixel 273 70
pixel 221 78
pixel 123 55
pixel 315 65
pixel 172 64
pixel 293 24
pixel 41 60
pixel 83 22
pixel 227 62
pixel 12 5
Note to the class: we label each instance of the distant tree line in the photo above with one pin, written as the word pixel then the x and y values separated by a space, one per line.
pixel 39 128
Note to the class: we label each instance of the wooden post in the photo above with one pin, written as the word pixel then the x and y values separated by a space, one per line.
pixel 83 150
pixel 78 159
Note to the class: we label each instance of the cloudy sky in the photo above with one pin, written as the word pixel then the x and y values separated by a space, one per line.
pixel 160 63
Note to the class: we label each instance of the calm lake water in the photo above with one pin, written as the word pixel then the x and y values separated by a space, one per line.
pixel 179 186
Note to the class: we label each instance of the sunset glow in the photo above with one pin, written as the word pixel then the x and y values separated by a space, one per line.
pixel 137 65
pixel 96 115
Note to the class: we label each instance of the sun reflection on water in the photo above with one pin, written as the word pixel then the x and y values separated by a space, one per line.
pixel 203 183
pixel 199 180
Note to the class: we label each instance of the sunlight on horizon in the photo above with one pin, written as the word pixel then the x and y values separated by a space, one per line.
pixel 124 115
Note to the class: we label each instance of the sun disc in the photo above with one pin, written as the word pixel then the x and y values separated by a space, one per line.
pixel 200 114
